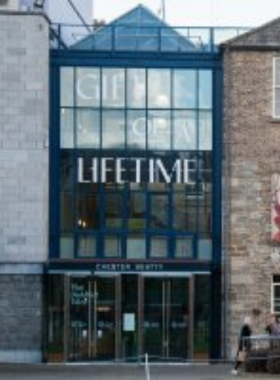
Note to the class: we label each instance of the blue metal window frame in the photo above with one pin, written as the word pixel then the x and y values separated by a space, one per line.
pixel 208 61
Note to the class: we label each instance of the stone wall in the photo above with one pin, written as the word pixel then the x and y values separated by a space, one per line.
pixel 251 156
pixel 21 318
pixel 24 173
pixel 24 93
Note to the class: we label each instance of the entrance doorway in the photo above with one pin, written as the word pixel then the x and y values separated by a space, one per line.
pixel 92 318
pixel 167 316
pixel 124 316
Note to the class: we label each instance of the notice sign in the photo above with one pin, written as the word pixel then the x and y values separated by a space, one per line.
pixel 129 322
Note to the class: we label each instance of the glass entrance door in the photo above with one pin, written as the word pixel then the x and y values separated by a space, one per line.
pixel 92 318
pixel 166 318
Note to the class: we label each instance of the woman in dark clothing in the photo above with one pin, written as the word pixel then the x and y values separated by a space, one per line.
pixel 244 343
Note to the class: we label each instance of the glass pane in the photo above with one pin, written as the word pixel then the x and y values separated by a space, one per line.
pixel 136 88
pixel 184 130
pixel 112 247
pixel 67 169
pixel 88 212
pixel 184 212
pixel 136 129
pixel 66 247
pixel 129 307
pixel 205 89
pixel 204 217
pixel 113 87
pixel 184 89
pixel 159 88
pixel 67 87
pixel 277 72
pixel 88 129
pixel 277 291
pixel 66 128
pixel 137 211
pixel 277 102
pixel 55 318
pixel 136 247
pixel 202 315
pixel 204 249
pixel 113 130
pixel 159 130
pixel 88 87
pixel 159 246
pixel 183 247
pixel 205 131
pixel 159 211
pixel 66 211
pixel 86 246
pixel 113 210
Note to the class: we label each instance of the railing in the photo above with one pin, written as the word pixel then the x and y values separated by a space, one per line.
pixel 143 39
pixel 263 354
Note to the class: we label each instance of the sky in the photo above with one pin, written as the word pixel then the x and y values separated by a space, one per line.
pixel 197 12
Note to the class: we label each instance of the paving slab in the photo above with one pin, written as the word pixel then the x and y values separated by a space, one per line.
pixel 123 372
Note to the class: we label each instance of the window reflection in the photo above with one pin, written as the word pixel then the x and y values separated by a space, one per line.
pixel 159 88
pixel 66 211
pixel 159 246
pixel 184 130
pixel 159 211
pixel 66 247
pixel 183 247
pixel 136 88
pixel 136 129
pixel 159 130
pixel 66 128
pixel 113 210
pixel 205 89
pixel 184 89
pixel 67 86
pixel 136 210
pixel 112 246
pixel 88 87
pixel 66 171
pixel 113 129
pixel 88 129
pixel 88 212
pixel 113 87
pixel 86 246
pixel 136 246
pixel 205 131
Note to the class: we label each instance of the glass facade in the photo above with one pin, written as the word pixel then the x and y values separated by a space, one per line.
pixel 136 162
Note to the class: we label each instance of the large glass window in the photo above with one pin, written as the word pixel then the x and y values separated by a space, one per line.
pixel 135 162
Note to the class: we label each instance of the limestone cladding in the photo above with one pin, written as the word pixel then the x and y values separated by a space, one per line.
pixel 251 156
pixel 24 124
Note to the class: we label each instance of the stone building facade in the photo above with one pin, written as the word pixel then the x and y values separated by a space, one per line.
pixel 251 158
pixel 24 93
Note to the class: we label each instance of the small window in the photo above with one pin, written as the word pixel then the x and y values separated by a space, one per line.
pixel 276 298
pixel 276 88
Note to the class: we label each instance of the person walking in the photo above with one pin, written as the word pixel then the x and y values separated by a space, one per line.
pixel 244 344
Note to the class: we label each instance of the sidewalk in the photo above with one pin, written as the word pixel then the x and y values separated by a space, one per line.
pixel 121 371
